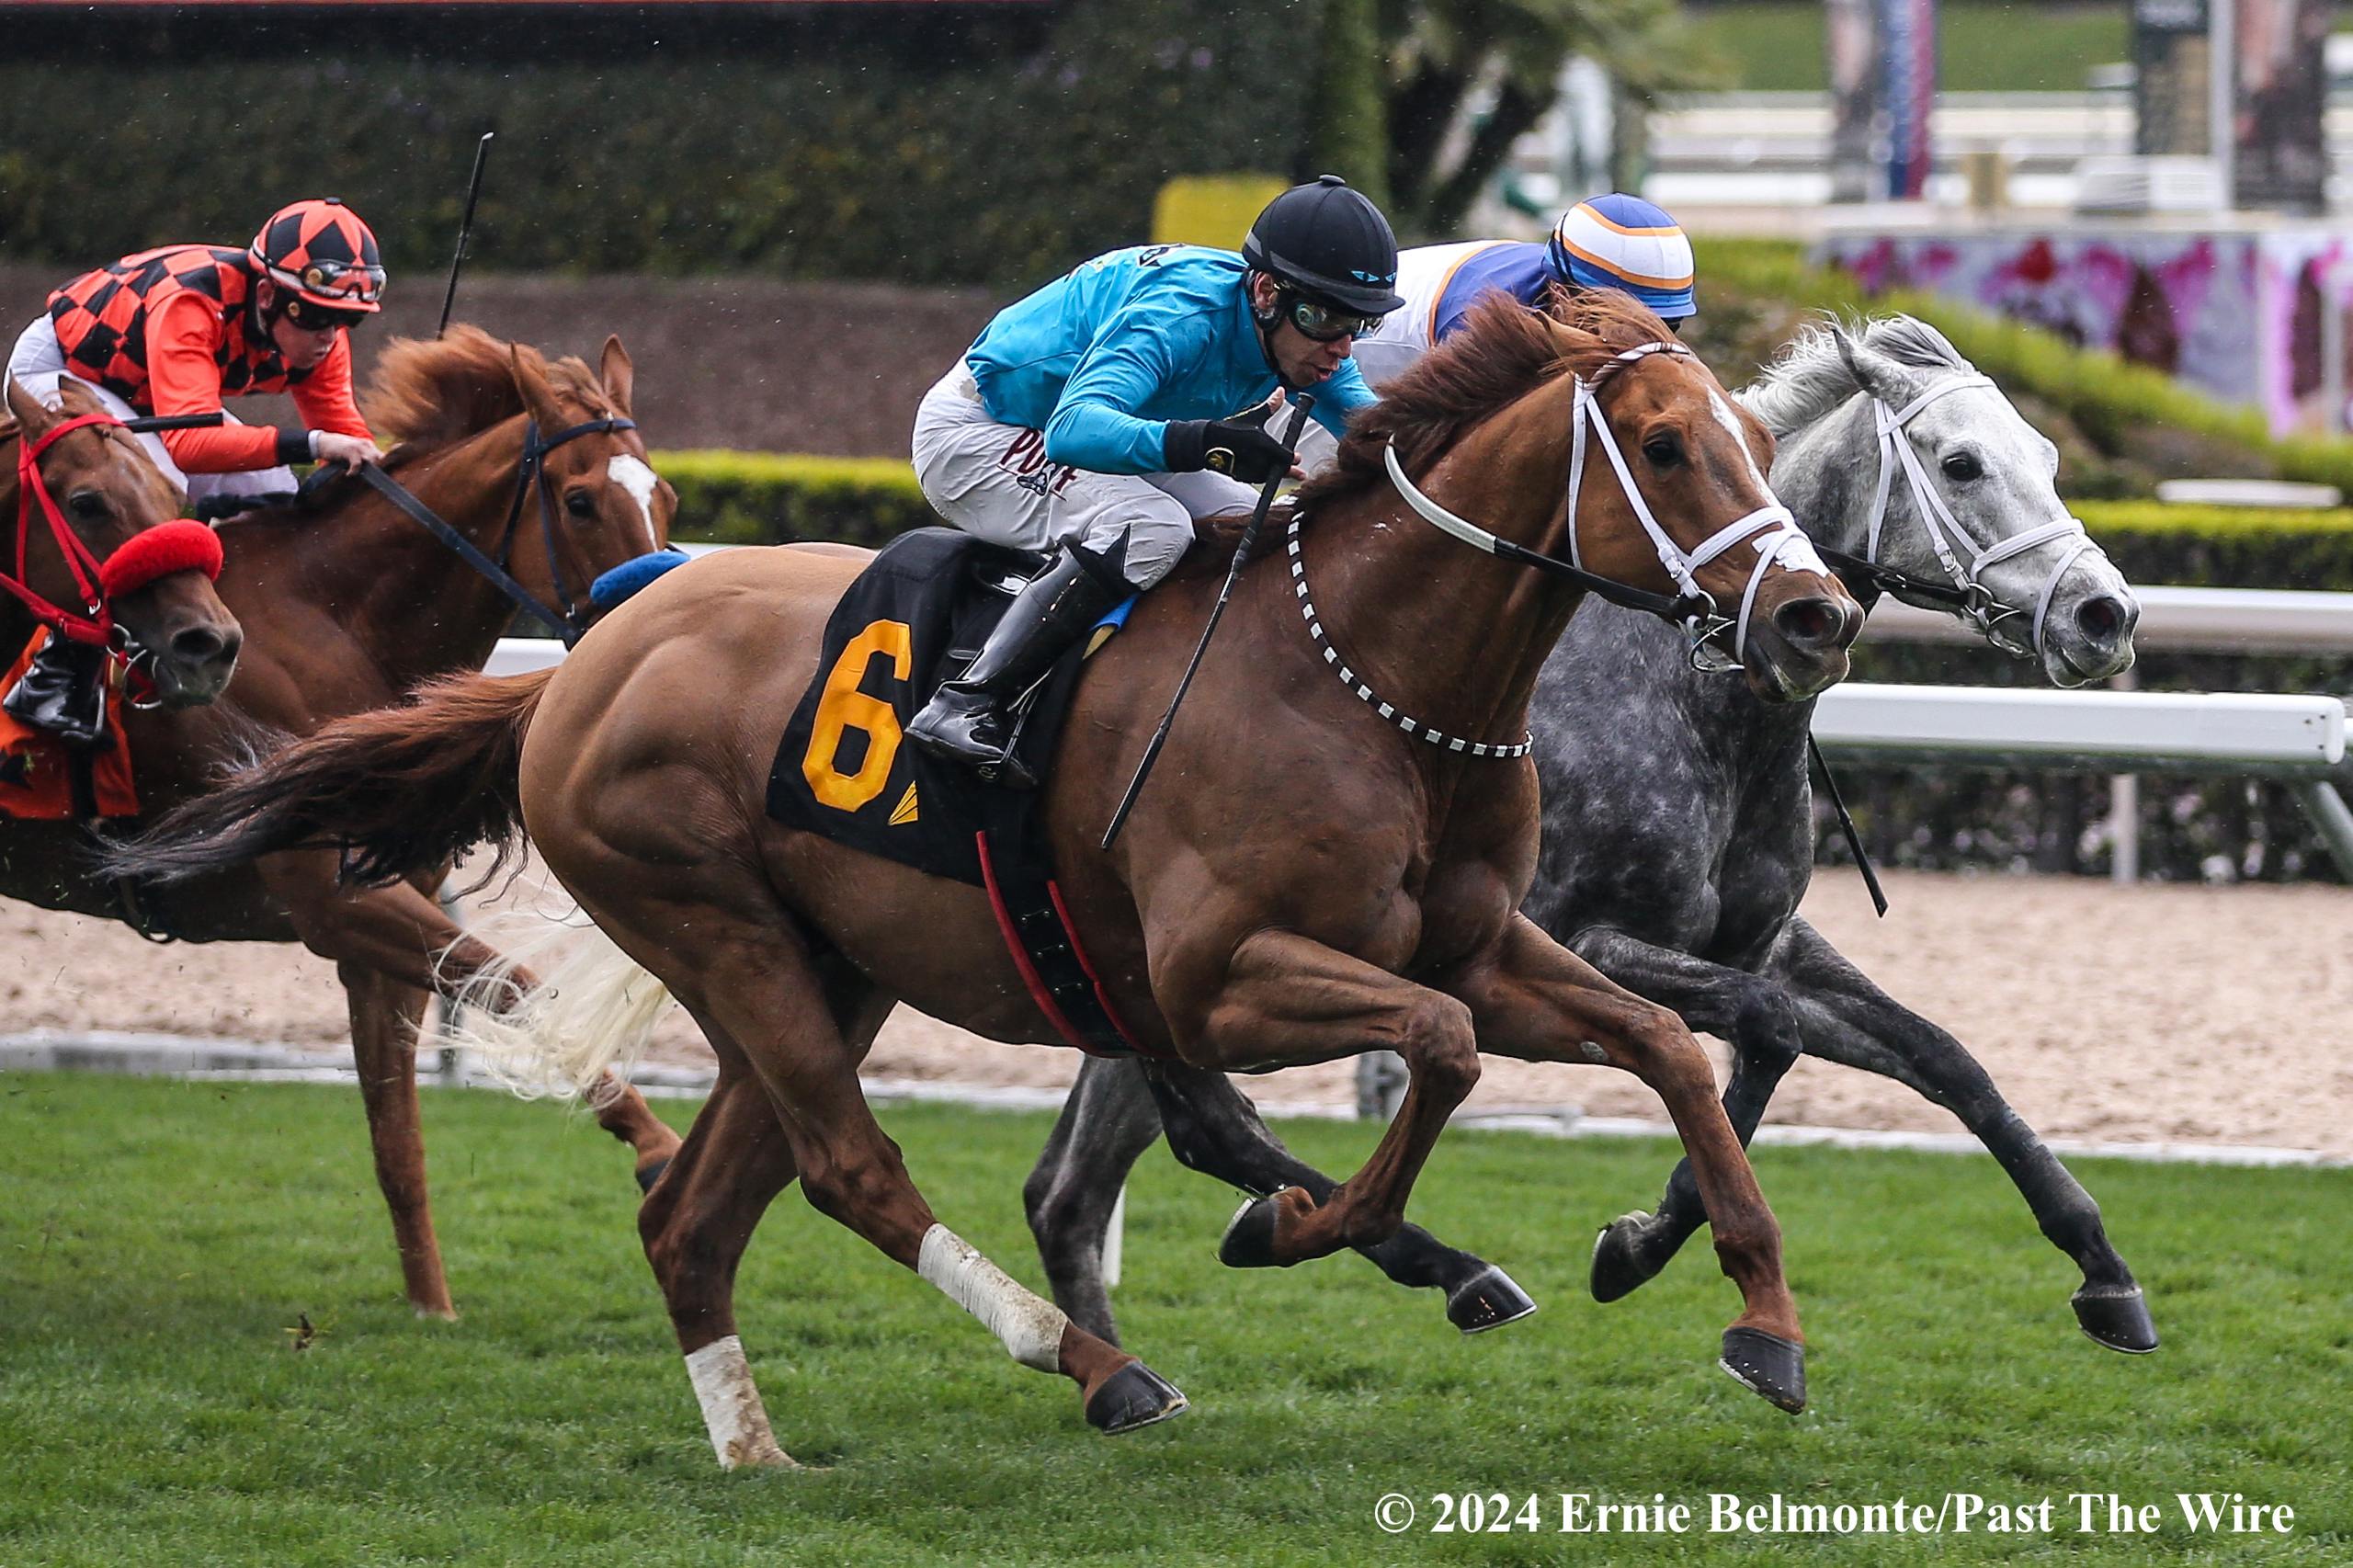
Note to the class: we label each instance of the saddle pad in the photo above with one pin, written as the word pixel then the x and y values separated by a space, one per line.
pixel 37 770
pixel 920 609
pixel 841 769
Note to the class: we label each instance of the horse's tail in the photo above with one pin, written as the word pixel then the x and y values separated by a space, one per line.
pixel 560 1010
pixel 400 789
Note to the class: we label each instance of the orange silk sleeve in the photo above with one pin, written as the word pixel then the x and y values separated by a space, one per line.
pixel 183 336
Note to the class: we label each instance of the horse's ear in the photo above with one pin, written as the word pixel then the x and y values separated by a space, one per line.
pixel 33 417
pixel 1873 371
pixel 614 370
pixel 538 400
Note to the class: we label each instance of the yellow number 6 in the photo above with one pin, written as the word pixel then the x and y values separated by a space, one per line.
pixel 844 707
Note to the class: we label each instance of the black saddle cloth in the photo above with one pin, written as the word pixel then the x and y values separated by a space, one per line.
pixel 915 616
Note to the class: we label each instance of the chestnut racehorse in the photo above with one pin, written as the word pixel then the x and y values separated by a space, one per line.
pixel 346 607
pixel 106 492
pixel 1309 873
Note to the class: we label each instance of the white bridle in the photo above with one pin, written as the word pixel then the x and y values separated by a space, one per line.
pixel 1770 527
pixel 1946 536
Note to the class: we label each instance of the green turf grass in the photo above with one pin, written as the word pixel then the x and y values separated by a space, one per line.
pixel 158 1242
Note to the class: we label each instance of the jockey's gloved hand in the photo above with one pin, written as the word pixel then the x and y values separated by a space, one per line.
pixel 1238 448
pixel 343 452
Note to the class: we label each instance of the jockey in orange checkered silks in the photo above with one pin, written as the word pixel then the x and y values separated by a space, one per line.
pixel 178 329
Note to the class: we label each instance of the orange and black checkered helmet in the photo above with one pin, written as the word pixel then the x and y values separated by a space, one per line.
pixel 322 252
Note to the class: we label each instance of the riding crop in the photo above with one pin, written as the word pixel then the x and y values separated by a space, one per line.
pixel 1301 404
pixel 465 231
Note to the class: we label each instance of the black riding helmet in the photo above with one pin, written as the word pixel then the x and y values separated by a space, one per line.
pixel 1330 243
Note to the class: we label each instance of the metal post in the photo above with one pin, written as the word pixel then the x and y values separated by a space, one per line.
pixel 2124 811
pixel 1381 1085
pixel 447 1008
pixel 2221 95
pixel 2330 818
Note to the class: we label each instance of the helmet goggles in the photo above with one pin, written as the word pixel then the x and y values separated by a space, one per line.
pixel 312 316
pixel 1320 323
pixel 356 282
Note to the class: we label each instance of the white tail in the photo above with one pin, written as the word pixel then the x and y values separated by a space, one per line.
pixel 593 1011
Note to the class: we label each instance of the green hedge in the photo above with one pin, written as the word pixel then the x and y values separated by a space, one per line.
pixel 984 144
pixel 758 498
pixel 2106 398
pixel 2220 547
pixel 751 498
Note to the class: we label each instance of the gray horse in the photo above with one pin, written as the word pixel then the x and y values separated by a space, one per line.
pixel 1679 832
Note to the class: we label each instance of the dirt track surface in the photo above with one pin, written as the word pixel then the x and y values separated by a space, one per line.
pixel 2152 1014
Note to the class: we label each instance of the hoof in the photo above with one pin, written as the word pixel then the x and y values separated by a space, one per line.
pixel 1133 1396
pixel 1766 1366
pixel 1619 1267
pixel 1249 1239
pixel 1490 1299
pixel 651 1172
pixel 2119 1320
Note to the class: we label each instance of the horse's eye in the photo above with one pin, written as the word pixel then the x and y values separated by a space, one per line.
pixel 579 504
pixel 87 505
pixel 1663 450
pixel 1963 467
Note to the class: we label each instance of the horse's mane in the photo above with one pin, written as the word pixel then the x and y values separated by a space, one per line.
pixel 1503 352
pixel 1810 376
pixel 427 393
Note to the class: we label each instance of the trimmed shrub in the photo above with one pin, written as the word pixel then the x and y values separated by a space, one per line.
pixel 755 498
pixel 977 144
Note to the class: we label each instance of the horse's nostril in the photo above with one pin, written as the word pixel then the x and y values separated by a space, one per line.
pixel 1810 622
pixel 197 645
pixel 2103 619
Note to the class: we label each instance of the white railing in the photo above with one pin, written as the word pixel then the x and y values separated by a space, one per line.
pixel 2300 739
pixel 2182 620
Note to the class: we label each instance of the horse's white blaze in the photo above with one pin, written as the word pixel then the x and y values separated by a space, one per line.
pixel 1730 422
pixel 595 1009
pixel 632 475
pixel 1030 1329
pixel 731 1405
pixel 1792 550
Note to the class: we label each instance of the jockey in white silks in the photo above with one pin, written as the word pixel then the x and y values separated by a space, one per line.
pixel 1607 242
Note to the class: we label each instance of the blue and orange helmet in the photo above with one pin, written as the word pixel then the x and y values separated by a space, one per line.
pixel 1623 242
pixel 322 251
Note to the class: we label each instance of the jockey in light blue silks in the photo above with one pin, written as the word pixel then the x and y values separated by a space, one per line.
pixel 1608 242
pixel 1081 423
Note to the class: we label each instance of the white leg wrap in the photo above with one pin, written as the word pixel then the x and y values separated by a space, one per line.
pixel 731 1405
pixel 1030 1329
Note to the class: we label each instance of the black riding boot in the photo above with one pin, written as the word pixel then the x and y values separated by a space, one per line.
pixel 63 693
pixel 965 720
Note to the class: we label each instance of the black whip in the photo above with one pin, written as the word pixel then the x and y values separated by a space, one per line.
pixel 1846 826
pixel 1300 405
pixel 465 230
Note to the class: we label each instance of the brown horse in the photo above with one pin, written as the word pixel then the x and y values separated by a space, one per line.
pixel 1305 879
pixel 106 491
pixel 347 607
